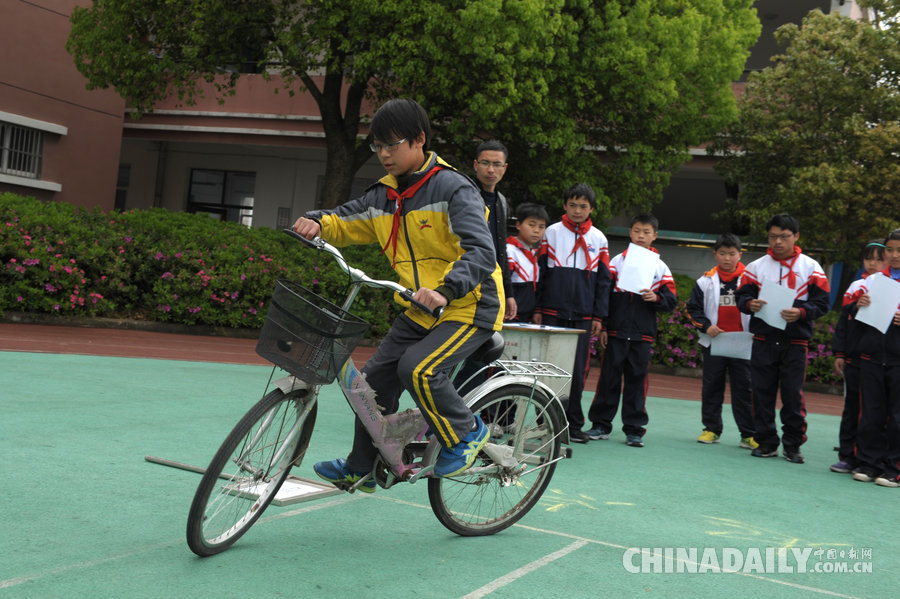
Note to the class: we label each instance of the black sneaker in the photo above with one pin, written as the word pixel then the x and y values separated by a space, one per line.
pixel 765 451
pixel 885 480
pixel 634 441
pixel 793 455
pixel 578 436
pixel 865 475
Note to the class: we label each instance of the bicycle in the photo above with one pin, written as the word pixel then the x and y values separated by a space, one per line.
pixel 312 339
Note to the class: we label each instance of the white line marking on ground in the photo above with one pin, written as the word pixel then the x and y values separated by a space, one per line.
pixel 11 582
pixel 747 574
pixel 584 540
pixel 579 542
pixel 526 569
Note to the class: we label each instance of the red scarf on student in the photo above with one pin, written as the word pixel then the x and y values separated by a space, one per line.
pixel 887 272
pixel 580 229
pixel 398 197
pixel 789 264
pixel 727 277
pixel 529 253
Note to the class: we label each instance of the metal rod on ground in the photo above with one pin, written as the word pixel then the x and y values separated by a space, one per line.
pixel 182 466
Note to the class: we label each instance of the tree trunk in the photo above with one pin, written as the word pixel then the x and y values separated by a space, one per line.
pixel 345 153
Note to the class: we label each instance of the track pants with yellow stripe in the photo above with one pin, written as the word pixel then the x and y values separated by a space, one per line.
pixel 420 361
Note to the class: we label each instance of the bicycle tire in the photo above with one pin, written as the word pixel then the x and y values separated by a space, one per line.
pixel 489 498
pixel 226 505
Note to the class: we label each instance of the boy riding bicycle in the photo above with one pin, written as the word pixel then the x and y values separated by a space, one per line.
pixel 430 222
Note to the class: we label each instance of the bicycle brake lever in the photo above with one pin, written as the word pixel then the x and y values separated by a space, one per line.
pixel 316 242
pixel 408 296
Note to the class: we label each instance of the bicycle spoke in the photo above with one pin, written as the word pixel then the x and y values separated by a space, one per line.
pixel 509 476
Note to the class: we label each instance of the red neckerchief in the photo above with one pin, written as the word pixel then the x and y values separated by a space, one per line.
pixel 727 277
pixel 579 229
pixel 791 276
pixel 887 272
pixel 529 253
pixel 407 193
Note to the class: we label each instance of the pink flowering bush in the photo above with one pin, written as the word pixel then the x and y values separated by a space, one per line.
pixel 819 357
pixel 163 266
pixel 677 343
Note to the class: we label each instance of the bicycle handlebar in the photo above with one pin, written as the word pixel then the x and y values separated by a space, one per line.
pixel 358 276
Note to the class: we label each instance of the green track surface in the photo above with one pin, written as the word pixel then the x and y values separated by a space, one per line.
pixel 84 515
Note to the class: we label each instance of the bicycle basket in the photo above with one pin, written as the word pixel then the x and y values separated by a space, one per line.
pixel 306 334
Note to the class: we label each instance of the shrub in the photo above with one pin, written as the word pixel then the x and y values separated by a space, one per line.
pixel 676 340
pixel 163 266
pixel 820 358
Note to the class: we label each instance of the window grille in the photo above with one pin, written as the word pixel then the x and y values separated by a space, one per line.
pixel 21 150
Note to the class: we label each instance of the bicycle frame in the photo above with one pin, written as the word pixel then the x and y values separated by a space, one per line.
pixel 393 433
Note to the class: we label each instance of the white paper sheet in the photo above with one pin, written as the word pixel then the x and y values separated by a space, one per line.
pixel 637 270
pixel 885 295
pixel 777 298
pixel 732 345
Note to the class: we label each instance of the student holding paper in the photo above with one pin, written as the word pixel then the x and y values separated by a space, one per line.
pixel 573 287
pixel 778 359
pixel 630 330
pixel 846 358
pixel 713 311
pixel 878 435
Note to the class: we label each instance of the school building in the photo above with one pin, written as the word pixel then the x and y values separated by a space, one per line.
pixel 259 158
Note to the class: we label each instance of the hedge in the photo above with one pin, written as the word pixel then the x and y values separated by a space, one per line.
pixel 190 269
pixel 163 266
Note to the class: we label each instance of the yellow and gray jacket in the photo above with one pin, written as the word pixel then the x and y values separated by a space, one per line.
pixel 434 231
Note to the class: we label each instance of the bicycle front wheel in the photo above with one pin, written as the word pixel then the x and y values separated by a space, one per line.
pixel 249 468
pixel 511 473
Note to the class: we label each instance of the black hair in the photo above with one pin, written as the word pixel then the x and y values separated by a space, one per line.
pixel 874 250
pixel 728 240
pixel 492 146
pixel 892 236
pixel 528 210
pixel 645 218
pixel 578 190
pixel 784 221
pixel 401 118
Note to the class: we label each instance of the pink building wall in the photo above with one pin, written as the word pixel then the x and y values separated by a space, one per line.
pixel 38 80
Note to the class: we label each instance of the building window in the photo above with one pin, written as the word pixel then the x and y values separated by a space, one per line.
pixel 224 195
pixel 122 181
pixel 283 218
pixel 21 150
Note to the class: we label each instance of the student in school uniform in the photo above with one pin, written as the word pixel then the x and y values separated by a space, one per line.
pixel 629 331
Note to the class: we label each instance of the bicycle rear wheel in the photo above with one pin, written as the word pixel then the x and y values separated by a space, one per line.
pixel 249 468
pixel 511 473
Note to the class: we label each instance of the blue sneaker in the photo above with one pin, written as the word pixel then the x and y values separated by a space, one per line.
pixel 460 457
pixel 337 473
pixel 634 441
pixel 598 433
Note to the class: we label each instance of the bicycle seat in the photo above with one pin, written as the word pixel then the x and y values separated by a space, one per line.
pixel 490 350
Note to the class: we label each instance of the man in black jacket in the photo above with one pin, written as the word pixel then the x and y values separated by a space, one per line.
pixel 490 166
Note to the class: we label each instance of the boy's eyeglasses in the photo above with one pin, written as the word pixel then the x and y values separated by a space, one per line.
pixel 782 237
pixel 390 147
pixel 487 163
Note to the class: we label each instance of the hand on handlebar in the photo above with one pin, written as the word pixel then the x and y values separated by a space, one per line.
pixel 307 227
pixel 430 298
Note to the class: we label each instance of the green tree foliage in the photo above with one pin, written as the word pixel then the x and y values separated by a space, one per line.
pixel 818 137
pixel 641 79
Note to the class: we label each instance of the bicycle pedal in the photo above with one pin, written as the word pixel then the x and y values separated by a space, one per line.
pixel 423 472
